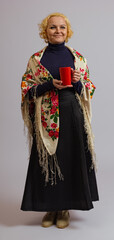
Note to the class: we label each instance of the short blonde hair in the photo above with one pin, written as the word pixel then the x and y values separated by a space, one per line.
pixel 44 24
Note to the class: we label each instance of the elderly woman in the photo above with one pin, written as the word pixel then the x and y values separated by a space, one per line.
pixel 61 171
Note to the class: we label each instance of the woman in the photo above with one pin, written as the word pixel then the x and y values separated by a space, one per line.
pixel 61 172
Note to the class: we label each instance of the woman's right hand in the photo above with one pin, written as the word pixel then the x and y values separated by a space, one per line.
pixel 58 84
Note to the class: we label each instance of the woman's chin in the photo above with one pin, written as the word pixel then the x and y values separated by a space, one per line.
pixel 57 41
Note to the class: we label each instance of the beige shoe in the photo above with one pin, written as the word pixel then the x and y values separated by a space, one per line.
pixel 49 219
pixel 62 219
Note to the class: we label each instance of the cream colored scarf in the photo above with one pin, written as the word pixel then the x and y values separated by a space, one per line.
pixel 47 112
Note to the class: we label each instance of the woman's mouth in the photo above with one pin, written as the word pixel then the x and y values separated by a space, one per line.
pixel 57 35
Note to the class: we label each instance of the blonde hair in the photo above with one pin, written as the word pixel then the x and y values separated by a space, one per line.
pixel 44 24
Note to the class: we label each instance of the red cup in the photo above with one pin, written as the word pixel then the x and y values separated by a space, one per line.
pixel 65 75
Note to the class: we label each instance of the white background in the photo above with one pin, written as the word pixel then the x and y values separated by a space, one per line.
pixel 93 26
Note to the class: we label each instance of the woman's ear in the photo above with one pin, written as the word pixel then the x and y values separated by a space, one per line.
pixel 46 37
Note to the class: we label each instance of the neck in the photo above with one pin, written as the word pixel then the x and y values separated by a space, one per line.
pixel 58 47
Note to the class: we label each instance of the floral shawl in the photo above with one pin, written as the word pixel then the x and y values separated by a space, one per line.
pixel 46 121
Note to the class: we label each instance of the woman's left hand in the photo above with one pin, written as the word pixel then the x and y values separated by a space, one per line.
pixel 75 75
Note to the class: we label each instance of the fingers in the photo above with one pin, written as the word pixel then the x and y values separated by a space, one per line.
pixel 58 84
pixel 76 72
pixel 55 81
pixel 76 75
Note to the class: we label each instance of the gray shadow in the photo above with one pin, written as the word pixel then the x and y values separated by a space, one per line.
pixel 75 217
pixel 11 215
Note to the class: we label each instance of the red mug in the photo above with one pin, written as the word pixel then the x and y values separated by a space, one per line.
pixel 65 75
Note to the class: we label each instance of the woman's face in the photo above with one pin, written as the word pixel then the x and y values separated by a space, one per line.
pixel 56 30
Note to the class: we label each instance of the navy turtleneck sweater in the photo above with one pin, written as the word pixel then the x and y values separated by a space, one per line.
pixel 55 56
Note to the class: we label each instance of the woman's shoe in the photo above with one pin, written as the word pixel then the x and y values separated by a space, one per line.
pixel 49 219
pixel 62 219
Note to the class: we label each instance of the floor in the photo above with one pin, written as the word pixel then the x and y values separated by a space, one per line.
pixel 96 224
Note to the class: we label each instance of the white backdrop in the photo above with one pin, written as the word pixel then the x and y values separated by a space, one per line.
pixel 93 26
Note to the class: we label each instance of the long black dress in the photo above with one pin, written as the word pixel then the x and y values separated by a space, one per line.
pixel 79 188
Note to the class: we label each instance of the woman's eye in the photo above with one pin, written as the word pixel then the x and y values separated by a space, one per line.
pixel 52 27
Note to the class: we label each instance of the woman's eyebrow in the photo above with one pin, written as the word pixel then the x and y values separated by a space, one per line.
pixel 63 24
pixel 52 24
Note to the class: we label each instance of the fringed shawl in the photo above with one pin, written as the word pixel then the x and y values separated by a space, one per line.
pixel 46 123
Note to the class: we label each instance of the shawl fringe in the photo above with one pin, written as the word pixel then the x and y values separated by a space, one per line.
pixel 88 130
pixel 27 122
pixel 47 162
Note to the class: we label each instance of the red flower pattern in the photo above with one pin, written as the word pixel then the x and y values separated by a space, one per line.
pixel 81 70
pixel 38 72
pixel 37 54
pixel 78 53
pixel 53 110
pixel 56 134
pixel 88 85
pixel 53 125
pixel 85 75
pixel 42 118
pixel 54 100
pixel 26 90
pixel 29 76
pixel 44 124
pixel 51 133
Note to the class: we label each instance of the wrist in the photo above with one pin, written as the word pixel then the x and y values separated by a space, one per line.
pixel 74 82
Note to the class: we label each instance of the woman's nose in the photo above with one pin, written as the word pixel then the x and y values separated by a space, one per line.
pixel 57 29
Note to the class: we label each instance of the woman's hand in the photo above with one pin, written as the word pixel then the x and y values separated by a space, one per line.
pixel 75 75
pixel 58 84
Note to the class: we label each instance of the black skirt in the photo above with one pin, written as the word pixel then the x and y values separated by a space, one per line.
pixel 79 188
